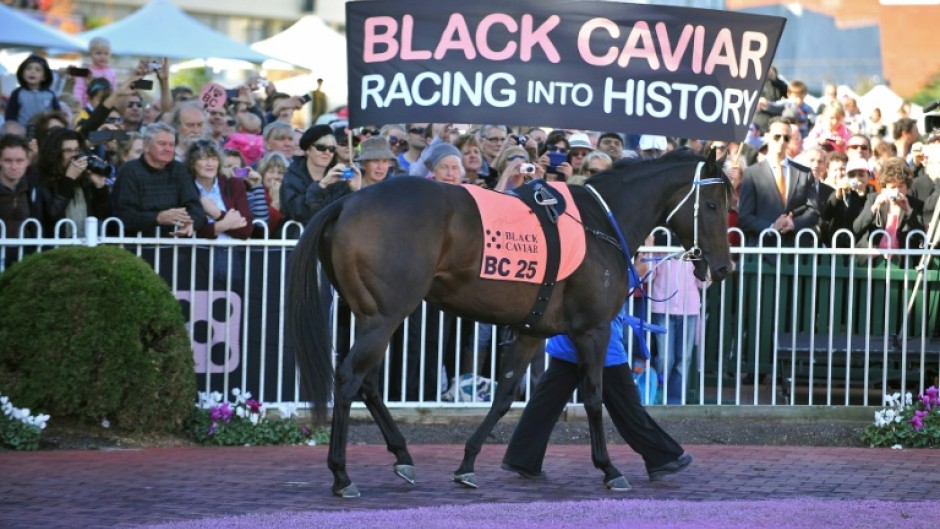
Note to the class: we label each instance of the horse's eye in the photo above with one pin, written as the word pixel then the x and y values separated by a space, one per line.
pixel 711 206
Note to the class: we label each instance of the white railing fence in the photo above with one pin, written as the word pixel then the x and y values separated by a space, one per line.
pixel 790 326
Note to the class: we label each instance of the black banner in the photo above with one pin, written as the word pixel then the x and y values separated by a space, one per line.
pixel 635 68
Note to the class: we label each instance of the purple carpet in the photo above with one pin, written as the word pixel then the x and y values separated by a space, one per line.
pixel 639 514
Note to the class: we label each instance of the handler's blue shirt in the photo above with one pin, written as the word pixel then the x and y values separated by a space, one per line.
pixel 560 346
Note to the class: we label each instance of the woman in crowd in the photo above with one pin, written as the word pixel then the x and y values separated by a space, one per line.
pixel 592 164
pixel 223 198
pixel 264 192
pixel 472 156
pixel 129 149
pixel 376 159
pixel 71 184
pixel 445 163
pixel 554 158
pixel 316 179
pixel 515 169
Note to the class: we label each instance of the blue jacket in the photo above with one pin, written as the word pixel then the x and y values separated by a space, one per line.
pixel 560 346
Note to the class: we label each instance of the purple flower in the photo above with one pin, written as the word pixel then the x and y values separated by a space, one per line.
pixel 213 427
pixel 917 421
pixel 254 406
pixel 221 412
pixel 304 430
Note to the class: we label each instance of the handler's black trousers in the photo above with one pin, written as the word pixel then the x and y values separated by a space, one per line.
pixel 528 444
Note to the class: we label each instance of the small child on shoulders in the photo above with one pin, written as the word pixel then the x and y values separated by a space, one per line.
pixel 34 95
pixel 100 51
pixel 796 102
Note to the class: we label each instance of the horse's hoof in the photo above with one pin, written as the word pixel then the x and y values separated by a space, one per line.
pixel 406 472
pixel 349 491
pixel 618 484
pixel 468 479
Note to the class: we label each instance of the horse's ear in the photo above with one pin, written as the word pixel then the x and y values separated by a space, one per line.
pixel 710 158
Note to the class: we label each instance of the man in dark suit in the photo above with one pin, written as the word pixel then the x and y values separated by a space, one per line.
pixel 777 193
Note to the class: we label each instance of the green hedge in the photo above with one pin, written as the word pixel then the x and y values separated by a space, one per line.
pixel 94 333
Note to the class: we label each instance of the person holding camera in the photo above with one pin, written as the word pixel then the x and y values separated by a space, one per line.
pixel 316 179
pixel 515 169
pixel 891 210
pixel 71 182
pixel 554 158
pixel 844 203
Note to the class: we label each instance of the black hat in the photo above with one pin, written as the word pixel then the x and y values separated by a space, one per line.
pixel 313 134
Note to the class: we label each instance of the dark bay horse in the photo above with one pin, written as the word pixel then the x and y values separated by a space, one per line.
pixel 387 247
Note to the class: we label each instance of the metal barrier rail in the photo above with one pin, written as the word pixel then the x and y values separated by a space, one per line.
pixel 790 326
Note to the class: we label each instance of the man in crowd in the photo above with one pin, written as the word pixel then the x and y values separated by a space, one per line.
pixel 190 120
pixel 14 189
pixel 133 112
pixel 416 145
pixel 777 192
pixel 156 191
pixel 612 144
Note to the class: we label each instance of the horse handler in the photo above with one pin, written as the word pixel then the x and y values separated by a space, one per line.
pixel 526 451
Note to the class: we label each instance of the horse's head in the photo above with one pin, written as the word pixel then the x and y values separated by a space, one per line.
pixel 700 218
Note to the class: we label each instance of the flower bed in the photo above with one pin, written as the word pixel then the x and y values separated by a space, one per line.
pixel 906 422
pixel 245 421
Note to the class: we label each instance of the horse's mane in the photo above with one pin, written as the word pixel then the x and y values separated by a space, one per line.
pixel 629 169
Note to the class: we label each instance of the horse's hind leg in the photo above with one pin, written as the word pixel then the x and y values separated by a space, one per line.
pixel 394 440
pixel 591 367
pixel 364 356
pixel 512 367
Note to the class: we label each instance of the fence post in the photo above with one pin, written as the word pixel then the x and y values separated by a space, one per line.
pixel 91 231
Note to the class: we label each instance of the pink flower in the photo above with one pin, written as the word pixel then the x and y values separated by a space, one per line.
pixel 254 406
pixel 917 421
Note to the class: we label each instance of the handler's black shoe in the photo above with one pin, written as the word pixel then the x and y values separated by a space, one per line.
pixel 672 467
pixel 521 471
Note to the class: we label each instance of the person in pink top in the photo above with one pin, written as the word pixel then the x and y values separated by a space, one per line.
pixel 830 131
pixel 100 51
pixel 675 304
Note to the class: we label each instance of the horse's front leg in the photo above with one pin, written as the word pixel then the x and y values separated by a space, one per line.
pixel 592 351
pixel 512 366
pixel 394 440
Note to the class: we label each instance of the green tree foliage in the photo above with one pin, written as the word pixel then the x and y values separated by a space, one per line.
pixel 94 333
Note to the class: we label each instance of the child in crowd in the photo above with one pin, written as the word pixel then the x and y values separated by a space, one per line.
pixel 34 95
pixel 796 102
pixel 100 51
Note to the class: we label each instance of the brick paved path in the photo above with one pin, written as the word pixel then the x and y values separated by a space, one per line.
pixel 128 487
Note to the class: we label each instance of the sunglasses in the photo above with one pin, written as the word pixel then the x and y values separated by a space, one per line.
pixel 515 157
pixel 720 147
pixel 776 137
pixel 555 148
pixel 859 147
pixel 134 104
pixel 416 130
pixel 324 148
pixel 114 121
pixel 344 142
pixel 393 141
pixel 370 132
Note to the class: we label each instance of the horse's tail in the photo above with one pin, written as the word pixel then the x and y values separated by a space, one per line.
pixel 307 312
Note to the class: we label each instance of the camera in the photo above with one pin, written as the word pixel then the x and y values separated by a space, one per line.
pixel 97 165
pixel 240 172
pixel 348 173
pixel 520 140
pixel 154 66
pixel 101 136
pixel 75 71
pixel 527 168
pixel 854 184
pixel 892 194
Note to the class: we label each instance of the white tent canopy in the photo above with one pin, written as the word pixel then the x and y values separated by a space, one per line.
pixel 161 29
pixel 882 97
pixel 313 45
pixel 22 31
